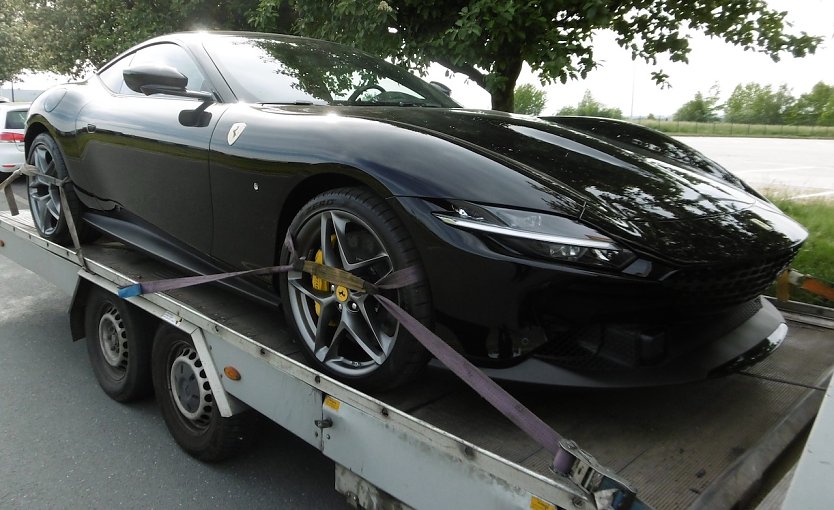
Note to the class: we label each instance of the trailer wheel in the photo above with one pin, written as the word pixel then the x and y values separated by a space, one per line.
pixel 187 403
pixel 119 346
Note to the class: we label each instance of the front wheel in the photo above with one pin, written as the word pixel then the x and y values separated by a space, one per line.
pixel 345 333
pixel 187 403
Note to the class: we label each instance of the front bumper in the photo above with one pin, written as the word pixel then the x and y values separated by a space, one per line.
pixel 746 345
pixel 547 323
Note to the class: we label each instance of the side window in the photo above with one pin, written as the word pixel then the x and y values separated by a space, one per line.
pixel 16 119
pixel 174 56
pixel 112 76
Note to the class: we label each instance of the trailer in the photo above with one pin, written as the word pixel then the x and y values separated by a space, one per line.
pixel 435 443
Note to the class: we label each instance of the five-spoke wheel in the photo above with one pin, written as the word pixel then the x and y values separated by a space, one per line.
pixel 346 332
pixel 45 194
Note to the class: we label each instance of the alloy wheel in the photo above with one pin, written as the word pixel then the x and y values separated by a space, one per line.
pixel 346 330
pixel 44 198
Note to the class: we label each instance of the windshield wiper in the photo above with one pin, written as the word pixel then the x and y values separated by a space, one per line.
pixel 296 103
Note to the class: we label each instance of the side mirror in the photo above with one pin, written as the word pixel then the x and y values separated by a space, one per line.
pixel 159 79
pixel 442 88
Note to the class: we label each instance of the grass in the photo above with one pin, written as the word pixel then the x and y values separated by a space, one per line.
pixel 673 127
pixel 816 258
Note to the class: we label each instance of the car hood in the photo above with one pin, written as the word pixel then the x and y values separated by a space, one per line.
pixel 670 209
pixel 637 186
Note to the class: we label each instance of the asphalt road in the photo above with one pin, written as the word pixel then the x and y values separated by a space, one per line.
pixel 64 444
pixel 798 168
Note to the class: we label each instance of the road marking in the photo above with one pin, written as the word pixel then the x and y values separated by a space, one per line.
pixel 767 170
pixel 812 195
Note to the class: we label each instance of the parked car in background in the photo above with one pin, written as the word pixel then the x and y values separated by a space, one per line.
pixel 12 125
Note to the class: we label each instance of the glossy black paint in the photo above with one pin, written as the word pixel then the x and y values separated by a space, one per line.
pixel 134 156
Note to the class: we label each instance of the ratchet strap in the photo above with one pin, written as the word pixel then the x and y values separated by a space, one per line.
pixel 608 489
pixel 49 180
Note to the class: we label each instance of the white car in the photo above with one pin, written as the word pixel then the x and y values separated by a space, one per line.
pixel 12 126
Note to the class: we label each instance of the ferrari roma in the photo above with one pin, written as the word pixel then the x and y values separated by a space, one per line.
pixel 561 251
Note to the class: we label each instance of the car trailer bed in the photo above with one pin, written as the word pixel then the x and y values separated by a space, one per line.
pixel 700 445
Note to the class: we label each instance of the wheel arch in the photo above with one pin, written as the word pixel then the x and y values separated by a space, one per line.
pixel 315 185
pixel 32 131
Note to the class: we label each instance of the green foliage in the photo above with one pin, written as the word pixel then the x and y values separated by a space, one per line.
pixel 16 52
pixel 817 216
pixel 758 104
pixel 489 40
pixel 486 40
pixel 814 108
pixel 530 100
pixel 74 35
pixel 674 127
pixel 701 109
pixel 590 107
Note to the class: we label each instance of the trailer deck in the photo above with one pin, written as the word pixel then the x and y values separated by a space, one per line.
pixel 700 445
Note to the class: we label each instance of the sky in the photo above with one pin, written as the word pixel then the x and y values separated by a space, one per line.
pixel 622 83
pixel 625 84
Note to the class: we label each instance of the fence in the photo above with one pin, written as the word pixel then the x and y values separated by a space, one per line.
pixel 731 129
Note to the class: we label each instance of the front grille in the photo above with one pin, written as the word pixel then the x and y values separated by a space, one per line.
pixel 613 346
pixel 727 284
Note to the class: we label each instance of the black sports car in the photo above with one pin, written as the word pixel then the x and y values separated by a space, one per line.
pixel 564 251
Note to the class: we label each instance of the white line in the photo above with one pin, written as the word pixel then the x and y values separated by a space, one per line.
pixel 770 170
pixel 811 195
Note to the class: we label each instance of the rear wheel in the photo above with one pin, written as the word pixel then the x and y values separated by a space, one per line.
pixel 45 198
pixel 346 333
pixel 187 402
pixel 119 346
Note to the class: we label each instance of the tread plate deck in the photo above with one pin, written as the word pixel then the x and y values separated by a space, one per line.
pixel 693 445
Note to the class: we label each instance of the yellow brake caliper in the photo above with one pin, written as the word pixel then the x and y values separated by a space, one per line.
pixel 320 283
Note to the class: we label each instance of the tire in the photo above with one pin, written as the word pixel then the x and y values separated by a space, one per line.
pixel 194 422
pixel 119 346
pixel 360 343
pixel 45 199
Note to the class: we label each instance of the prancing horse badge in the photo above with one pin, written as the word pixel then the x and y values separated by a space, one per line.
pixel 235 131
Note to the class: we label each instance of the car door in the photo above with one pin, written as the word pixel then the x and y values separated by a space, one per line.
pixel 139 155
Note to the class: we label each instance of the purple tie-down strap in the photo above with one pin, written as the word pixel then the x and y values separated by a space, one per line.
pixel 499 398
pixel 188 281
pixel 514 410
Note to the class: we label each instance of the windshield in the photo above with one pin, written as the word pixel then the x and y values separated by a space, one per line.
pixel 294 70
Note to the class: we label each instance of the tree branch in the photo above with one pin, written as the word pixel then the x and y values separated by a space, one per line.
pixel 476 76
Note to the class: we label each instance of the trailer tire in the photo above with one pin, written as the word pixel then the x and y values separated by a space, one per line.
pixel 119 346
pixel 187 404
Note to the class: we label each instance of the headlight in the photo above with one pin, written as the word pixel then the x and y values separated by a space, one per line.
pixel 538 234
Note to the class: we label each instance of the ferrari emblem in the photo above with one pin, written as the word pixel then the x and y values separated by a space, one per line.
pixel 341 293
pixel 235 131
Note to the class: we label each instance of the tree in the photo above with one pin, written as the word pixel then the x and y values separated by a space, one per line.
pixel 489 40
pixel 812 107
pixel 757 104
pixel 73 35
pixel 700 109
pixel 15 36
pixel 530 100
pixel 590 107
